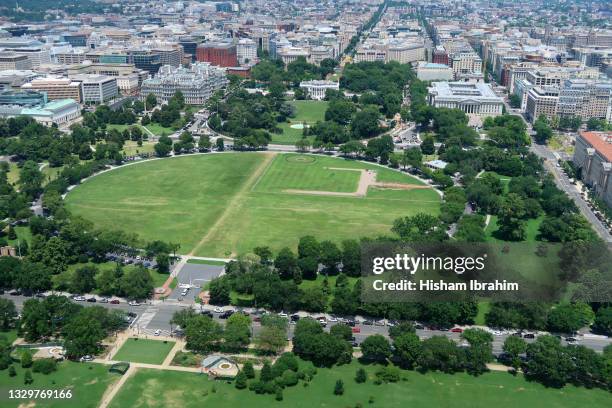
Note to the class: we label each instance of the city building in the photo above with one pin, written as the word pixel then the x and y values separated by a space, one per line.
pixel 14 61
pixel 586 99
pixel 429 71
pixel 56 88
pixel 146 60
pixel 290 54
pixel 197 83
pixel 542 100
pixel 477 100
pixel 246 51
pixel 593 159
pixel 97 88
pixel 316 89
pixel 129 78
pixel 220 54
pixel 23 98
pixel 61 112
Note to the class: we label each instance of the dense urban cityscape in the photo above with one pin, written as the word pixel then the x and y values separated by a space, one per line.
pixel 205 203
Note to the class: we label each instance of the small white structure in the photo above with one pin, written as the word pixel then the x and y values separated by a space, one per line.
pixel 436 164
pixel 316 89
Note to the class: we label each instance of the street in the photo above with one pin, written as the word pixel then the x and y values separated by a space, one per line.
pixel 156 315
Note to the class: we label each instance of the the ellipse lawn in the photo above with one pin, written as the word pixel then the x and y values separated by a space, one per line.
pixel 227 204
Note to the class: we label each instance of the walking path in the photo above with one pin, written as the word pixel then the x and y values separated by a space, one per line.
pixel 366 180
pixel 235 201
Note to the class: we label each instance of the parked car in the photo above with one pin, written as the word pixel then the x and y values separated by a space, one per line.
pixel 226 314
pixel 91 300
pixel 157 332
pixel 218 310
pixel 367 322
pixel 456 330
pixel 115 302
pixel 133 303
pixel 79 298
pixel 355 329
pixel 15 292
pixel 103 300
pixel 86 357
pixel 529 336
pixel 206 313
pixel 295 317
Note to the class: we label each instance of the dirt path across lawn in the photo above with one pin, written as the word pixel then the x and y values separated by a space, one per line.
pixel 235 201
pixel 367 179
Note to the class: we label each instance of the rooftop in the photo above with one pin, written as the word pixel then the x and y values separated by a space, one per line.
pixel 600 141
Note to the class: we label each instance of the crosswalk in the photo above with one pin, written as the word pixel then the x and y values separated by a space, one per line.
pixel 145 318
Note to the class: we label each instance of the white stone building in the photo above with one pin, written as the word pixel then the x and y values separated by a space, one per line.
pixel 316 89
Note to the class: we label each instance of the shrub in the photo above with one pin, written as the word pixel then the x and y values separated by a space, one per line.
pixel 241 380
pixel 361 376
pixel 339 387
pixel 27 378
pixel 44 366
pixel 289 378
pixel 26 359
pixel 388 374
pixel 12 372
pixel 248 369
pixel 279 394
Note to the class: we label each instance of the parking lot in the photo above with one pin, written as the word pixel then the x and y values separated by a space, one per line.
pixel 195 275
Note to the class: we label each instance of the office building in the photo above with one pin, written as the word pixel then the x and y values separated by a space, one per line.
pixel 13 61
pixel 246 51
pixel 56 88
pixel 477 100
pixel 593 159
pixel 542 100
pixel 586 99
pixel 23 98
pixel 197 83
pixel 429 71
pixel 219 54
pixel 97 88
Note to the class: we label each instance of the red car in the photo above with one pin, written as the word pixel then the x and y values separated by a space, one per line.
pixel 114 302
pixel 456 330
pixel 356 329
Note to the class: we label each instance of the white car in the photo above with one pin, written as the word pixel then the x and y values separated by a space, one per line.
pixel 79 298
pixel 157 332
pixel 218 310
pixel 332 319
pixel 133 303
pixel 282 314
pixel 86 358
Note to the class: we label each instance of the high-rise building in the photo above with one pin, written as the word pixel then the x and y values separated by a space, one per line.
pixel 146 60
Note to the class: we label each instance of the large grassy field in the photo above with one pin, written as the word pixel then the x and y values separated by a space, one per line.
pixel 153 388
pixel 226 204
pixel 308 112
pixel 86 381
pixel 144 351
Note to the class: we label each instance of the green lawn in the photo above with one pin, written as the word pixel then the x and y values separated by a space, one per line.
pixel 131 148
pixel 23 234
pixel 144 351
pixel 159 130
pixel 10 335
pixel 307 111
pixel 86 381
pixel 153 388
pixel 223 205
